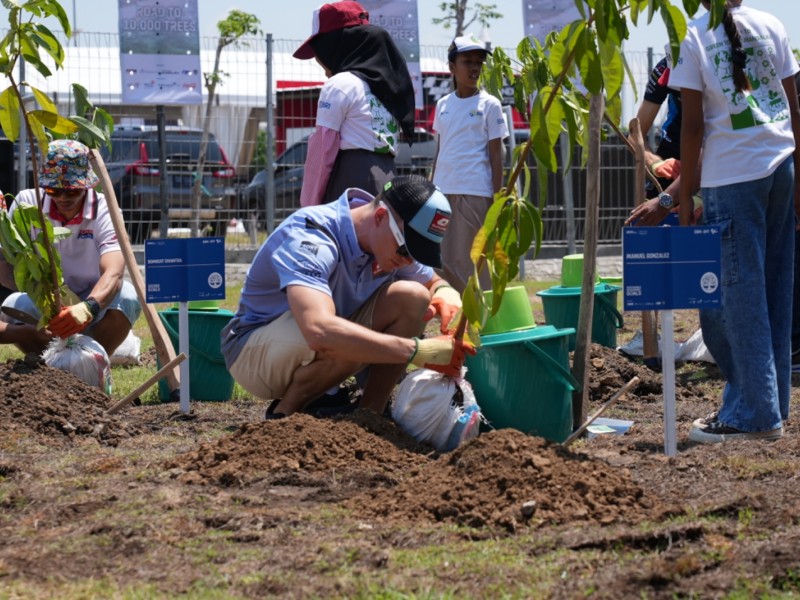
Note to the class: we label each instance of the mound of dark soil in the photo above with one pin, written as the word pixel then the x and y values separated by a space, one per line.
pixel 56 405
pixel 506 478
pixel 361 446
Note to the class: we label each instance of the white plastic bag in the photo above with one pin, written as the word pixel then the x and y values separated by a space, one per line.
pixel 694 349
pixel 83 357
pixel 127 353
pixel 436 409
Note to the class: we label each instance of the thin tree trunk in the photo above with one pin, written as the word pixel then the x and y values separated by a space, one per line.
pixel 197 187
pixel 584 333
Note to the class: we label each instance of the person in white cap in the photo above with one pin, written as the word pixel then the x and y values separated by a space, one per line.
pixel 91 258
pixel 344 286
pixel 365 104
pixel 468 166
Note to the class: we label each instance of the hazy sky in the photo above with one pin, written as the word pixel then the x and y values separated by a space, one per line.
pixel 292 19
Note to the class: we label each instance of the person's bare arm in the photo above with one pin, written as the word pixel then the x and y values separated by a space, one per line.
pixel 496 162
pixel 692 131
pixel 338 338
pixel 112 269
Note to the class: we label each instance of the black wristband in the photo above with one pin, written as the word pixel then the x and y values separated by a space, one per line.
pixel 94 306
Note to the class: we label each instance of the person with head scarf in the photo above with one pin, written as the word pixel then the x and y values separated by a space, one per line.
pixel 105 306
pixel 740 109
pixel 363 107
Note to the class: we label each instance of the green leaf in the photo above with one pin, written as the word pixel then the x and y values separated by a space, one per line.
pixel 675 23
pixel 9 114
pixel 53 121
pixel 89 133
pixel 81 97
pixel 44 39
pixel 613 70
pixel 44 101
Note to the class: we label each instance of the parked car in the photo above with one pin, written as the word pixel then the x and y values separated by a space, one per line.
pixel 411 158
pixel 134 166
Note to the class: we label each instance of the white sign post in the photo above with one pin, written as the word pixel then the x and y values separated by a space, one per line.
pixel 666 268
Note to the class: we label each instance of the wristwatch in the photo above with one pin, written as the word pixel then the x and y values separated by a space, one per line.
pixel 665 201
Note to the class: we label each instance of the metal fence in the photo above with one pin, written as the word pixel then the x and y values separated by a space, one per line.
pixel 238 122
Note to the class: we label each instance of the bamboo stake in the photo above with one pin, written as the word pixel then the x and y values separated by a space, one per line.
pixel 162 372
pixel 608 404
pixel 164 348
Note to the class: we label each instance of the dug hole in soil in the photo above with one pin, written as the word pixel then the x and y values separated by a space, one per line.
pixel 123 498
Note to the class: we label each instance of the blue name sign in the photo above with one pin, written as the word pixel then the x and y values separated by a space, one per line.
pixel 665 268
pixel 184 269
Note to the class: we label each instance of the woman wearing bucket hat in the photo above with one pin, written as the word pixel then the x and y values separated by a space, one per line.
pixel 91 258
pixel 740 108
pixel 366 102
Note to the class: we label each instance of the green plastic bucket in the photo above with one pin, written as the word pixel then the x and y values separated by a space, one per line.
pixel 572 270
pixel 562 305
pixel 209 378
pixel 521 380
pixel 515 312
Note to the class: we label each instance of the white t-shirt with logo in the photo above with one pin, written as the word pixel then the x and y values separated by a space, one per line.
pixel 465 127
pixel 747 136
pixel 347 105
pixel 93 235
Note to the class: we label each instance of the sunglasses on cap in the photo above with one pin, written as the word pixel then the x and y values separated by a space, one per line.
pixel 402 250
pixel 69 193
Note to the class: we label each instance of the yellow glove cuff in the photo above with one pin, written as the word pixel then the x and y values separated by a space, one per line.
pixel 448 294
pixel 433 351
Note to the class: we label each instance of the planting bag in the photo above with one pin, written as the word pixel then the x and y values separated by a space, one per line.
pixel 437 409
pixel 127 353
pixel 83 357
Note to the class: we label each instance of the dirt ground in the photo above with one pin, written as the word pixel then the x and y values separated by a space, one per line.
pixel 220 504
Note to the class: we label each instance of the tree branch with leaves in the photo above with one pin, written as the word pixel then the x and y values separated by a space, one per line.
pixel 232 29
pixel 28 239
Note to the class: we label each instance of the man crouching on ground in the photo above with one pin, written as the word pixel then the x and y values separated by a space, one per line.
pixel 342 286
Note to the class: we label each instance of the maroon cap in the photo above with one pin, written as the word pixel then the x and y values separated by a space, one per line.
pixel 330 17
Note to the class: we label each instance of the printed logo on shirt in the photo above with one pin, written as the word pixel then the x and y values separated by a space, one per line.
pixel 309 247
pixel 309 269
pixel 439 223
pixel 765 102
pixel 500 121
pixel 325 105
pixel 86 234
pixel 476 113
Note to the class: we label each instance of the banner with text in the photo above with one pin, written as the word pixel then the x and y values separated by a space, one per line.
pixel 400 18
pixel 542 17
pixel 160 52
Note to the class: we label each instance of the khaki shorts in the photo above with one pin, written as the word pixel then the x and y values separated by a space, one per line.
pixel 266 365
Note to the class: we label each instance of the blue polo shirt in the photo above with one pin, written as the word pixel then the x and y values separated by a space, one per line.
pixel 315 247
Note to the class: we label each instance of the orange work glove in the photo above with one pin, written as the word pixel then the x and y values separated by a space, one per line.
pixel 446 303
pixel 667 169
pixel 442 353
pixel 71 320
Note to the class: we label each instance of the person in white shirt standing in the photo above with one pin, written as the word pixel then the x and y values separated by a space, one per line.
pixel 740 109
pixel 468 167
pixel 365 104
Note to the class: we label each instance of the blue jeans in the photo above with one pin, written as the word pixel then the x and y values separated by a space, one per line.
pixel 796 296
pixel 750 335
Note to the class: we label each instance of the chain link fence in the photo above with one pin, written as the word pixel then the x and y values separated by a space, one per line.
pixel 234 202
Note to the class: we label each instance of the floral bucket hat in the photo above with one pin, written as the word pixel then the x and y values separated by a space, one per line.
pixel 66 166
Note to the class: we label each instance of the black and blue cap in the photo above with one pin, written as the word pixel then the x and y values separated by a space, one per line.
pixel 425 212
